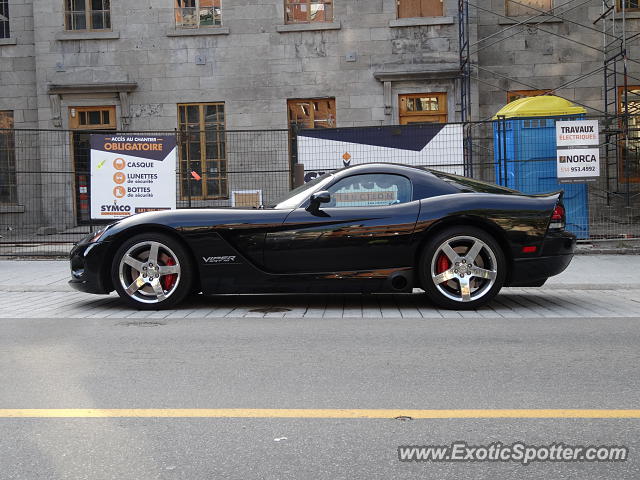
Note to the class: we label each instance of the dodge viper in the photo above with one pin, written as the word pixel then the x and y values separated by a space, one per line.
pixel 366 229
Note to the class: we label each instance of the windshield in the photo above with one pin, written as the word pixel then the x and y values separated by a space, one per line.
pixel 295 197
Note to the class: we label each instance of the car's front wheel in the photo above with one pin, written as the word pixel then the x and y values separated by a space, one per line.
pixel 152 271
pixel 462 267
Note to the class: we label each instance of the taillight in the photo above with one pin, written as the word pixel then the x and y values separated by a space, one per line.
pixel 558 217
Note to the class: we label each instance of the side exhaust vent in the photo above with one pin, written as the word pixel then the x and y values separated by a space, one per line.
pixel 399 282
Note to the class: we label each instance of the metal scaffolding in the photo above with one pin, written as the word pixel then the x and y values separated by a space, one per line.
pixel 612 25
pixel 616 98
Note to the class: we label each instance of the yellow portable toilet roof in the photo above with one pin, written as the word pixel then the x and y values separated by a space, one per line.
pixel 541 106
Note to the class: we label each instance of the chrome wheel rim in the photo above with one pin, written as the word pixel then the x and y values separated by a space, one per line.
pixel 470 272
pixel 149 272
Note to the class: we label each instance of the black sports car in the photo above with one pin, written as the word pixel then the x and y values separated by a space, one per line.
pixel 367 228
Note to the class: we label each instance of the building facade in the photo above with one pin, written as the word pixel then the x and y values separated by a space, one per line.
pixel 212 65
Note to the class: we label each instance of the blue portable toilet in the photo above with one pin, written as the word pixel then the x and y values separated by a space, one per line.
pixel 524 133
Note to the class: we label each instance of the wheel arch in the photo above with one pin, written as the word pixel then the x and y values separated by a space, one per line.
pixel 121 237
pixel 466 220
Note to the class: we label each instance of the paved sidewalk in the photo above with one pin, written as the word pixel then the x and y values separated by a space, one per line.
pixel 592 286
pixel 586 272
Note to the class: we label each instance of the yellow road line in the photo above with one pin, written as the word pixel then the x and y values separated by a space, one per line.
pixel 309 413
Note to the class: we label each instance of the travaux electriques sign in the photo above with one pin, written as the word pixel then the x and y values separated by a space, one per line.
pixel 132 174
pixel 578 155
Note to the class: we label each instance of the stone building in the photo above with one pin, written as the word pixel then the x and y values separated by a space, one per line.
pixel 162 65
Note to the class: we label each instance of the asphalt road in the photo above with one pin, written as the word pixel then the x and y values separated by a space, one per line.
pixel 312 363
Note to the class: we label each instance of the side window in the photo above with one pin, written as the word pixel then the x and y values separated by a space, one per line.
pixel 371 190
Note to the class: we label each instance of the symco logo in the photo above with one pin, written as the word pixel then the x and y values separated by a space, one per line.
pixel 116 208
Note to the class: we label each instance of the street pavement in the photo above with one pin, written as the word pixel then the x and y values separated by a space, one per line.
pixel 573 344
pixel 282 363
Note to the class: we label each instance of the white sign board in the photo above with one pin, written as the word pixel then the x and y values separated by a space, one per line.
pixel 132 174
pixel 577 133
pixel 578 164
pixel 435 145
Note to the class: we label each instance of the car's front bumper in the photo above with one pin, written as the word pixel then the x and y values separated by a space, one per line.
pixel 89 273
pixel 555 255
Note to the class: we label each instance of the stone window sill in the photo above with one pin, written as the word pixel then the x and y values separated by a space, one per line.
pixel 8 41
pixel 308 27
pixel 420 21
pixel 67 36
pixel 197 32
pixel 528 20
pixel 11 208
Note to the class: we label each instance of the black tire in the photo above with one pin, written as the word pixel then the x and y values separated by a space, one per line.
pixel 147 284
pixel 444 271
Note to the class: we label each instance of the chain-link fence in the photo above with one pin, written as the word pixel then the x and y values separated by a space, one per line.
pixel 45 187
pixel 521 153
pixel 45 180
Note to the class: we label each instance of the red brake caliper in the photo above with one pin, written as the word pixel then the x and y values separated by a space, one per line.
pixel 169 280
pixel 442 264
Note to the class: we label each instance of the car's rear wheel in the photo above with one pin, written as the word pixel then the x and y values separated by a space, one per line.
pixel 152 271
pixel 462 267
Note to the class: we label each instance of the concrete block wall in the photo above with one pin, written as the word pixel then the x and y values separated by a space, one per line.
pixel 254 63
pixel 18 95
pixel 254 68
pixel 17 66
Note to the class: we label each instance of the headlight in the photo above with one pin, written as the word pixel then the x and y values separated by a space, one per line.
pixel 96 236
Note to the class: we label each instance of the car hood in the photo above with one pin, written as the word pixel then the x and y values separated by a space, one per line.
pixel 191 219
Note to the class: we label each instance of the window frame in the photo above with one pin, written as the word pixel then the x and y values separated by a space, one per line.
pixel 533 12
pixel 443 107
pixel 621 144
pixel 5 24
pixel 183 129
pixel 89 12
pixel 308 3
pixel 337 181
pixel 8 145
pixel 74 122
pixel 299 101
pixel 422 15
pixel 198 26
pixel 620 8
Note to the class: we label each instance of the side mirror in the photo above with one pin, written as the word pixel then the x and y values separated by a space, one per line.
pixel 318 198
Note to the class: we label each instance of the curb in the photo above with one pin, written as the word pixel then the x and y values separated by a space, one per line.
pixel 549 286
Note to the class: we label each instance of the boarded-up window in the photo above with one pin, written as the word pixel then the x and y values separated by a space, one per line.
pixel 7 159
pixel 312 113
pixel 518 8
pixel 420 8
